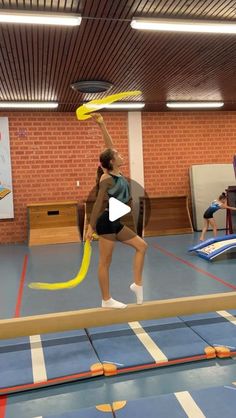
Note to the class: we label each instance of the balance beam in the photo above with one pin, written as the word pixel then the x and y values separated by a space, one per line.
pixel 96 317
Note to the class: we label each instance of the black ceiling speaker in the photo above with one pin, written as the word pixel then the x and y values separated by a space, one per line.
pixel 91 86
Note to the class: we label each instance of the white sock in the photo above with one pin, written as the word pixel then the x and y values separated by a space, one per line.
pixel 112 303
pixel 138 290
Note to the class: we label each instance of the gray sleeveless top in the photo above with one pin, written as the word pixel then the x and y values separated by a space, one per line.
pixel 120 190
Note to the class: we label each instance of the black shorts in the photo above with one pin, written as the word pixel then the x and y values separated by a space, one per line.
pixel 105 226
pixel 208 214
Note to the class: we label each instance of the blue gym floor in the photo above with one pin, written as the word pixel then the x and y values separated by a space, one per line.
pixel 170 271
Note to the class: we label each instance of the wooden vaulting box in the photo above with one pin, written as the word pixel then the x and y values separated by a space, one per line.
pixel 53 223
pixel 164 215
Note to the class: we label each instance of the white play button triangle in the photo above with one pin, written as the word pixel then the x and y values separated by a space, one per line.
pixel 117 209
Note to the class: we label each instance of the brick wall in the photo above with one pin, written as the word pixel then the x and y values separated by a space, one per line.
pixel 174 141
pixel 58 150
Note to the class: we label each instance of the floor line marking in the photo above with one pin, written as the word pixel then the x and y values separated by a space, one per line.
pixel 3 406
pixel 38 361
pixel 21 287
pixel 150 345
pixel 187 263
pixel 189 405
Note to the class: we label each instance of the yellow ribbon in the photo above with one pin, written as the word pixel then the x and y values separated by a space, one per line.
pixel 73 282
pixel 83 111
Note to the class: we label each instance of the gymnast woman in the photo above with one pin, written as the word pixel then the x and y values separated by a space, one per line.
pixel 220 203
pixel 111 183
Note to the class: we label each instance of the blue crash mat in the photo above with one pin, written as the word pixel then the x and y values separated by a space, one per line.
pixel 99 411
pixel 142 345
pixel 207 403
pixel 32 362
pixel 213 247
pixel 216 330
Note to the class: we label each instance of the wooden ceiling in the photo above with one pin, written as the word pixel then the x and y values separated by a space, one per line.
pixel 39 63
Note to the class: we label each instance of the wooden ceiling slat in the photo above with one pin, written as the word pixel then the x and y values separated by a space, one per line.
pixel 164 6
pixel 148 78
pixel 205 9
pixel 109 48
pixel 24 57
pixel 72 64
pixel 90 7
pixel 5 83
pixel 15 80
pixel 179 69
pixel 64 83
pixel 88 44
pixel 35 69
pixel 214 10
pixel 29 64
pixel 195 8
pixel 169 63
pixel 225 11
pixel 141 76
pixel 52 64
pixel 131 53
pixel 39 49
pixel 176 8
pixel 60 48
pixel 45 63
pixel 4 63
pixel 115 49
pixel 194 79
pixel 125 12
pixel 82 41
pixel 40 63
pixel 79 43
pixel 145 9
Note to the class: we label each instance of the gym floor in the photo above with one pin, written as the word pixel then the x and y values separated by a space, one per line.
pixel 170 271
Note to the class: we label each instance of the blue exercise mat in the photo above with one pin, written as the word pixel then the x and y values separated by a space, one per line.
pixel 141 345
pixel 32 362
pixel 94 412
pixel 15 363
pixel 213 247
pixel 207 403
pixel 216 330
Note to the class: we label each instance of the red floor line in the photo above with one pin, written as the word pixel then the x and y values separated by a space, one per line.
pixel 21 288
pixel 3 399
pixel 3 405
pixel 181 260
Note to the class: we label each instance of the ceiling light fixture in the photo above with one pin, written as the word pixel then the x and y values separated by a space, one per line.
pixel 91 86
pixel 184 25
pixel 40 18
pixel 194 105
pixel 28 105
pixel 126 105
